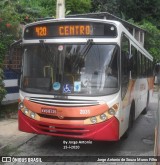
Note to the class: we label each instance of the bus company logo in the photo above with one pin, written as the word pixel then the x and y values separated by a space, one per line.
pixel 48 111
pixel 61 117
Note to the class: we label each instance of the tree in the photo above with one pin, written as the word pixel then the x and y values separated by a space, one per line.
pixel 36 9
pixel 49 7
pixel 78 6
pixel 2 52
pixel 42 8
pixel 127 9
pixel 111 6
pixel 9 18
pixel 138 10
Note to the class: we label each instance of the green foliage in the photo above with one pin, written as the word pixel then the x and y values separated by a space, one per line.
pixel 111 6
pixel 2 53
pixel 136 9
pixel 9 19
pixel 2 89
pixel 49 7
pixel 34 9
pixel 78 6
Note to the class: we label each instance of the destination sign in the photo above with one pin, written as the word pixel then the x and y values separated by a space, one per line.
pixel 73 30
pixel 69 29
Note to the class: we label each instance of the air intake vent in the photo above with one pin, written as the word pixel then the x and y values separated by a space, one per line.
pixel 63 102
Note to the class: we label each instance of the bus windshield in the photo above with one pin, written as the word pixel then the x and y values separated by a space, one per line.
pixel 70 69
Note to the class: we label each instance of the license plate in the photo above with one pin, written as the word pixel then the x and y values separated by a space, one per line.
pixel 48 111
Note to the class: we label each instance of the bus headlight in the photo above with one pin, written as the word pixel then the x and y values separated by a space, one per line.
pixel 21 105
pixel 26 111
pixel 32 115
pixel 111 111
pixel 29 113
pixel 103 117
pixel 93 120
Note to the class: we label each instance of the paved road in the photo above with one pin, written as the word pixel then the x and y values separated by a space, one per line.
pixel 139 143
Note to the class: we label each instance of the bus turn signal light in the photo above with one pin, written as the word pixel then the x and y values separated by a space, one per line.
pixel 28 112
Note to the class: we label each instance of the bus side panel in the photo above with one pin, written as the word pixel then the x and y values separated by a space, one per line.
pixel 137 91
pixel 141 92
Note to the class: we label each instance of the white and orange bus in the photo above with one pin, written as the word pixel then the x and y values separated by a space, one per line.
pixel 82 78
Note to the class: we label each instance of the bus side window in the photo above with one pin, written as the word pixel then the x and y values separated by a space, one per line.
pixel 134 62
pixel 139 64
pixel 143 65
pixel 156 69
pixel 124 64
pixel 151 73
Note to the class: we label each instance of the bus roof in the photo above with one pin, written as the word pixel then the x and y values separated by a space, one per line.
pixel 72 19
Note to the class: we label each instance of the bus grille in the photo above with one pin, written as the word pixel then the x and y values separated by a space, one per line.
pixel 63 130
pixel 63 102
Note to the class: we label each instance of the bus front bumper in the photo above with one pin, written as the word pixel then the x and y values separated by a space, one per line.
pixel 105 131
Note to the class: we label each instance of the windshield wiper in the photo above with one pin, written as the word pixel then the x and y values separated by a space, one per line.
pixel 49 54
pixel 44 46
pixel 80 58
